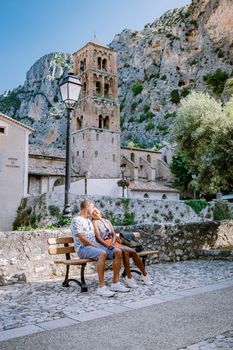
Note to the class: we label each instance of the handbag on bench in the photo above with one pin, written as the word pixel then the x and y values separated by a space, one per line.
pixel 129 239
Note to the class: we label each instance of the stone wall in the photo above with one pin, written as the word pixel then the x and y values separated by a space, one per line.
pixel 24 255
pixel 119 210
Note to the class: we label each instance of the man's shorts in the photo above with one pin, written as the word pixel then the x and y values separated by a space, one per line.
pixel 89 252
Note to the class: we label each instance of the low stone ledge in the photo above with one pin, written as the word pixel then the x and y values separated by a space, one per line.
pixel 24 254
pixel 216 254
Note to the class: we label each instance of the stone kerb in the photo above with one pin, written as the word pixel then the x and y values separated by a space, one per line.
pixel 24 255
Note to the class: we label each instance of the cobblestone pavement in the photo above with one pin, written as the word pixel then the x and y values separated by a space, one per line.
pixel 42 301
pixel 221 342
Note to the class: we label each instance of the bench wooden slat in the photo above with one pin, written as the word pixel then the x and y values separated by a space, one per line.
pixel 60 240
pixel 64 250
pixel 148 252
pixel 74 261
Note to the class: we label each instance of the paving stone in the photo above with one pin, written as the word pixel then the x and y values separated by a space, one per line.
pixel 62 322
pixel 87 316
pixel 19 332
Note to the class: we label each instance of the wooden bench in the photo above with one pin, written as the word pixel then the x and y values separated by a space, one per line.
pixel 65 245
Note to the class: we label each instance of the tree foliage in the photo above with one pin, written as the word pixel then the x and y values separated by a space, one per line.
pixel 203 131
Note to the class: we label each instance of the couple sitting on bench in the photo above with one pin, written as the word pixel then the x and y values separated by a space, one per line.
pixel 96 239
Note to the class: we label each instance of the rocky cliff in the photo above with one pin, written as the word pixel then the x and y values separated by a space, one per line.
pixel 186 49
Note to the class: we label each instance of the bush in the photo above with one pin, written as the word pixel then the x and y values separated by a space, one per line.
pixel 196 205
pixel 170 115
pixel 133 106
pixel 54 210
pixel 175 96
pixel 146 108
pixel 137 88
pixel 216 80
pixel 149 126
pixel 222 211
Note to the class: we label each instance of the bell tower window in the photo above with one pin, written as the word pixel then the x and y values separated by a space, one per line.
pixel 106 90
pixel 106 123
pixel 100 121
pixel 98 88
pixel 99 63
pixel 104 64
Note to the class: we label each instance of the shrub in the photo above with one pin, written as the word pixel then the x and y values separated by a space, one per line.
pixel 149 126
pixel 133 106
pixel 185 92
pixel 216 80
pixel 146 108
pixel 175 96
pixel 142 117
pixel 54 210
pixel 222 211
pixel 170 115
pixel 196 205
pixel 137 88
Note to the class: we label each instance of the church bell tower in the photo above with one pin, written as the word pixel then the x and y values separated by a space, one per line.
pixel 96 119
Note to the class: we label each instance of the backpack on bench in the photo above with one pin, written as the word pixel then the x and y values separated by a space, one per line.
pixel 129 239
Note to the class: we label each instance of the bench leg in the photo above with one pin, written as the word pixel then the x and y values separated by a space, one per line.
pixel 82 284
pixel 136 271
pixel 66 280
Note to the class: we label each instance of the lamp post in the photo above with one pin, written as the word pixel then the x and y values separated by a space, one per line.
pixel 123 169
pixel 70 88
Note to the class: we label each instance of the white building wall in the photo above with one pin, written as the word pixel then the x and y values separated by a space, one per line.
pixel 13 171
pixel 99 187
pixel 172 196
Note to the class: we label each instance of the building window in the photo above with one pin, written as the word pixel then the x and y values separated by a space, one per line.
pixel 73 139
pixel 165 159
pixel 99 63
pixel 72 159
pixel 141 167
pixel 112 140
pixel 83 154
pixel 96 154
pixel 146 195
pixel 132 157
pixel 104 64
pixel 97 137
pixel 106 123
pixel 164 196
pixel 85 88
pixel 79 123
pixel 83 136
pixel 114 157
pixel 100 121
pixel 2 130
pixel 98 88
pixel 106 90
pixel 77 153
pixel 149 158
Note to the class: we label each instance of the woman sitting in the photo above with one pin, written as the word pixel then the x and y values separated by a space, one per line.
pixel 105 235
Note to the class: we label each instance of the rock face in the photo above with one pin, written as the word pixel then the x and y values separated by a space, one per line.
pixel 165 61
pixel 37 103
pixel 156 66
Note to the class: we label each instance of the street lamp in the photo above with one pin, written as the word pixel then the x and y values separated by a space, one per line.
pixel 123 169
pixel 70 88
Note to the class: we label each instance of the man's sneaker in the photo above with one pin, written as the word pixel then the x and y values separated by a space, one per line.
pixel 130 282
pixel 118 287
pixel 105 292
pixel 147 280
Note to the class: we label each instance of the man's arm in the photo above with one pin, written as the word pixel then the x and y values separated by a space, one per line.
pixel 84 240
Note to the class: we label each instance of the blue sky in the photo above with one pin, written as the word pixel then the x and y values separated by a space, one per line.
pixel 32 28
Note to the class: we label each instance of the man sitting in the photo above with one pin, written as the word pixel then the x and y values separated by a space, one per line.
pixel 87 248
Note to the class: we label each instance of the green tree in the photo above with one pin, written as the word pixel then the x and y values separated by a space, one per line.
pixel 181 171
pixel 203 131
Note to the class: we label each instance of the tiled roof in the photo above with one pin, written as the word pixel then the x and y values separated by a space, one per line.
pixel 45 170
pixel 6 117
pixel 46 151
pixel 150 186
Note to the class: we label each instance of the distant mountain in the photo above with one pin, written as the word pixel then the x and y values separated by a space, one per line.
pixel 157 66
